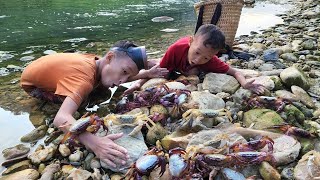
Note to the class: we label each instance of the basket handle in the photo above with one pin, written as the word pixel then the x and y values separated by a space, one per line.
pixel 215 17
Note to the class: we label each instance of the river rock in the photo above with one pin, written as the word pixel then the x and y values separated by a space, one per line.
pixel 42 155
pixel 175 85
pixel 47 173
pixel 176 139
pixel 215 83
pixel 286 95
pixel 79 174
pixel 64 150
pixel 14 68
pixel 231 174
pixel 261 118
pixel 35 134
pixel 266 67
pixel 266 81
pixel 27 58
pixel 277 82
pixel 296 45
pixel 287 173
pixel 293 76
pixel 308 167
pixel 95 163
pixel 240 95
pixel 206 100
pixel 87 161
pixel 289 57
pixel 135 146
pixel 271 54
pixel 294 114
pixel 309 45
pixel 17 167
pixel 76 156
pixel 153 82
pixel 268 172
pixel 303 96
pixel 27 174
pixel 255 63
pixel 15 151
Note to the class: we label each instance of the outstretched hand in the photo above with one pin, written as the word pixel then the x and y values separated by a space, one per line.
pixel 132 88
pixel 157 71
pixel 256 88
pixel 109 152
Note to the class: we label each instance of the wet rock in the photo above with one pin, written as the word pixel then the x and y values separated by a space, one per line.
pixel 206 100
pixel 277 82
pixel 268 172
pixel 176 85
pixel 271 55
pixel 306 111
pixel 294 115
pixel 308 167
pixel 17 167
pixel 27 174
pixel 15 151
pixel 47 173
pixel 135 146
pixel 64 150
pixel 14 160
pixel 287 173
pixel 215 83
pixel 266 81
pixel 176 139
pixel 286 95
pixel 153 82
pixel 162 19
pixel 76 156
pixel 42 155
pixel 285 149
pixel 27 58
pixel 240 95
pixel 303 96
pixel 35 134
pixel 293 76
pixel 79 174
pixel 309 45
pixel 289 57
pixel 261 118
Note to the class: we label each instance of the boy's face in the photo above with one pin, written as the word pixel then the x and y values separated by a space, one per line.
pixel 198 53
pixel 118 70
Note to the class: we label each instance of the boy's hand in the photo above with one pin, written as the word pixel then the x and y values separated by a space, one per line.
pixel 157 71
pixel 132 88
pixel 256 88
pixel 108 151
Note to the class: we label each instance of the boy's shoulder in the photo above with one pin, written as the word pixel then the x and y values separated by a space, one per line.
pixel 184 41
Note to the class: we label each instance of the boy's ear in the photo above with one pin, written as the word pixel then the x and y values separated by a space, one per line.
pixel 191 40
pixel 109 56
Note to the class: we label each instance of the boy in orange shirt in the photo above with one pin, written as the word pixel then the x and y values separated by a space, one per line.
pixel 191 55
pixel 68 78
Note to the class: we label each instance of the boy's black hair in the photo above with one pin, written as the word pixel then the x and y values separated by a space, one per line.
pixel 125 44
pixel 213 36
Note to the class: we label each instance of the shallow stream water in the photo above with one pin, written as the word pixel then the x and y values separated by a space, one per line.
pixel 36 26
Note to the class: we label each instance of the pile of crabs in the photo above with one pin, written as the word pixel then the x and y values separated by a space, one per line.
pixel 186 141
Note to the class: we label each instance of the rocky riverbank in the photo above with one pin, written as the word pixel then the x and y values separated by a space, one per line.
pixel 287 62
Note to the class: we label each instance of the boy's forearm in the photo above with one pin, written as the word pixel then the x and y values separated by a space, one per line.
pixel 143 74
pixel 241 79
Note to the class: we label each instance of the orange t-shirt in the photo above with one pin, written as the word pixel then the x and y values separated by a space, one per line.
pixel 65 74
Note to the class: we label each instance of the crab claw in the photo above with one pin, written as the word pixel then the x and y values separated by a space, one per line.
pixel 289 130
pixel 254 145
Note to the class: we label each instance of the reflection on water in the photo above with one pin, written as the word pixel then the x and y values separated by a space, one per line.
pixel 12 128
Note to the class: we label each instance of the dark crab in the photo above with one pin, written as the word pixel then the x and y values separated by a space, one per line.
pixel 254 145
pixel 145 164
pixel 275 103
pixel 289 130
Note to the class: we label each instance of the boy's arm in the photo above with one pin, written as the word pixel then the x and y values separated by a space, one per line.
pixel 155 71
pixel 256 88
pixel 103 147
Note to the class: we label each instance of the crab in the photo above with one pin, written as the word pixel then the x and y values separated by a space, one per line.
pixel 291 130
pixel 145 164
pixel 275 103
pixel 90 123
pixel 176 99
pixel 254 145
pixel 193 117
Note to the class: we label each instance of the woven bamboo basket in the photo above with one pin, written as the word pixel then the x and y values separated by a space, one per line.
pixel 229 19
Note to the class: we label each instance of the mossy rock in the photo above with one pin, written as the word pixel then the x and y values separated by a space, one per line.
pixel 277 83
pixel 294 76
pixel 294 115
pixel 262 118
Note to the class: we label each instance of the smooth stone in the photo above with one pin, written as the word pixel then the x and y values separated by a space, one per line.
pixel 5 56
pixel 14 160
pixel 240 95
pixel 169 30
pixel 306 145
pixel 96 175
pixel 286 95
pixel 153 82
pixel 268 172
pixel 79 174
pixel 175 85
pixel 309 45
pixel 293 114
pixel 308 166
pixel 64 150
pixel 37 118
pixel 35 134
pixel 286 49
pixel 261 118
pixel 16 151
pixel 27 58
pixel 249 73
pixel 293 76
pixel 27 174
pixel 206 100
pixel 303 96
pixel 266 67
pixel 289 57
pixel 243 47
pixel 162 19
pixel 266 81
pixel 275 72
pixel 76 156
pixel 47 52
pixel 48 172
pixel 42 155
pixel 215 83
pixel 87 161
pixel 271 54
pixel 17 167
pixel 41 167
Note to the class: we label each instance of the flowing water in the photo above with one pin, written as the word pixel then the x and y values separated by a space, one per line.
pixel 31 27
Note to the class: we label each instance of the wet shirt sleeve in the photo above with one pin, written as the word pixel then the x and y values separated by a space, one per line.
pixel 215 65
